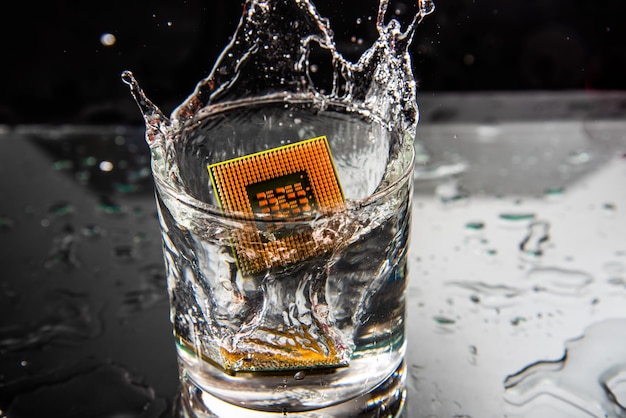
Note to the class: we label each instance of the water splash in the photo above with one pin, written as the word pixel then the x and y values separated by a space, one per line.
pixel 270 57
pixel 585 378
pixel 262 93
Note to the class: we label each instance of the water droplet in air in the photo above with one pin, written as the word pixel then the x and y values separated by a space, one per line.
pixel 426 7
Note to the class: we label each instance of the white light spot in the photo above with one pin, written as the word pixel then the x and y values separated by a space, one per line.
pixel 106 166
pixel 108 39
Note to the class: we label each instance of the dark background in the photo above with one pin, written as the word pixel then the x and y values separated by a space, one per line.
pixel 55 69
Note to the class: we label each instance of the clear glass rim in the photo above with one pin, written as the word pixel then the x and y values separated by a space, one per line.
pixel 405 175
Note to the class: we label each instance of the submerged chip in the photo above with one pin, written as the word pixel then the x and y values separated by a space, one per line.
pixel 280 189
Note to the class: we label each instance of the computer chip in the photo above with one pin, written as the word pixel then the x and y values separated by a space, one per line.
pixel 280 189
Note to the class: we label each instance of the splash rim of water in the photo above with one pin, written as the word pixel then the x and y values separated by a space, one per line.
pixel 402 168
pixel 379 87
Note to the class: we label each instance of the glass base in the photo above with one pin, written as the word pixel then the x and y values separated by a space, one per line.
pixel 386 400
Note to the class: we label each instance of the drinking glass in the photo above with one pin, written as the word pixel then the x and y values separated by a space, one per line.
pixel 301 315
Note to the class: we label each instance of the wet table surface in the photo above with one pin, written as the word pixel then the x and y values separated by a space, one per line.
pixel 517 291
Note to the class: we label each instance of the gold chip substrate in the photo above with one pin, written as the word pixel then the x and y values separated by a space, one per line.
pixel 284 187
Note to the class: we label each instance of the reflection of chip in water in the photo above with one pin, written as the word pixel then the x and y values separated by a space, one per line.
pixel 283 186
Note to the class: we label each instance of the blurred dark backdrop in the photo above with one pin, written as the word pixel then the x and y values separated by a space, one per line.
pixel 59 66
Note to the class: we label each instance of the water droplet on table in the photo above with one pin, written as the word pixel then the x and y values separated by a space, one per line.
pixel 63 249
pixel 538 235
pixel 586 376
pixel 66 318
pixel 560 281
pixel 6 223
pixel 61 209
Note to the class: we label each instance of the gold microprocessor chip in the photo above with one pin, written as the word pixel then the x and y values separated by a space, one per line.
pixel 284 187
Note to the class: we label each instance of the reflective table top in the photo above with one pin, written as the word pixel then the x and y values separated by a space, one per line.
pixel 517 290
